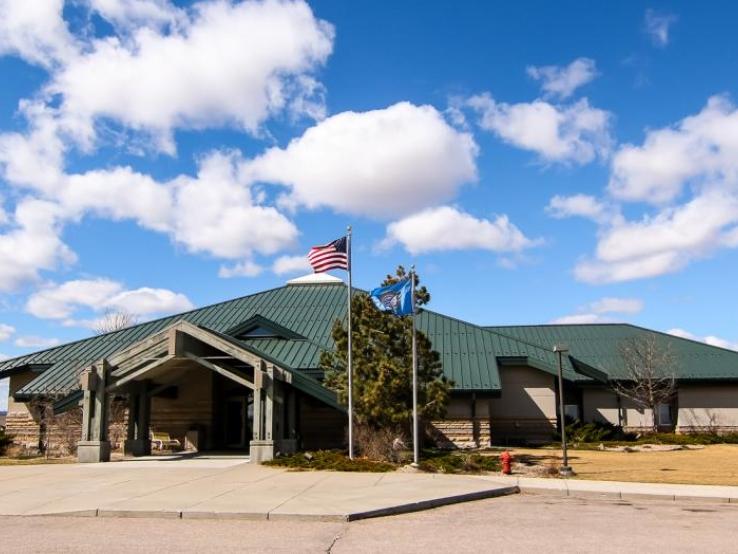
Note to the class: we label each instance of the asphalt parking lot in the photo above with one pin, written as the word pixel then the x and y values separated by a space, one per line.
pixel 519 523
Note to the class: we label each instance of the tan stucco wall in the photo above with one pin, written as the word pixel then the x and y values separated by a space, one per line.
pixel 708 407
pixel 526 408
pixel 600 404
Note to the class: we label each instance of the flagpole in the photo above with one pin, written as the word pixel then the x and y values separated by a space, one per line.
pixel 348 357
pixel 416 441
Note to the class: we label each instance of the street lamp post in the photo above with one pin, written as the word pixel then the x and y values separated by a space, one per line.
pixel 565 470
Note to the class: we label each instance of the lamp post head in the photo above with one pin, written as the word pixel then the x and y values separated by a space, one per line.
pixel 563 348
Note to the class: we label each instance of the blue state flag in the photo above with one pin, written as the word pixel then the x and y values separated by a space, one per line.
pixel 396 298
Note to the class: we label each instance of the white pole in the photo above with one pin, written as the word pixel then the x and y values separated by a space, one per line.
pixel 350 366
pixel 416 439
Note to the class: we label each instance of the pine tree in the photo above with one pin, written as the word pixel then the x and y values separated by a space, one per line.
pixel 382 363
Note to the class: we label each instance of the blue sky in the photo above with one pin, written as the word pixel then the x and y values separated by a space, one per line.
pixel 538 161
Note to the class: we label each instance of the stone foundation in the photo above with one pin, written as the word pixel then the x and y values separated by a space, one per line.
pixel 461 433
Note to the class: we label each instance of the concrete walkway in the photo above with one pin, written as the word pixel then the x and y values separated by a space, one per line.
pixel 228 488
pixel 622 490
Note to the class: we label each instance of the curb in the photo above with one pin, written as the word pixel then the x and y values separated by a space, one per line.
pixel 435 503
pixel 354 516
pixel 561 487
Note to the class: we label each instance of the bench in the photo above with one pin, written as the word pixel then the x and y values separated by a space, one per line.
pixel 161 440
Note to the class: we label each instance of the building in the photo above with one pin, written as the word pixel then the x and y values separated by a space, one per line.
pixel 244 374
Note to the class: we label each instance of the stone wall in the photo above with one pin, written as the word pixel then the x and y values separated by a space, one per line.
pixel 461 433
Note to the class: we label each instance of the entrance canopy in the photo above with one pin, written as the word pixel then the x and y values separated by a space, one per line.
pixel 165 358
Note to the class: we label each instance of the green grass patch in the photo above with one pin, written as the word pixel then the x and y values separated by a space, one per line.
pixel 329 460
pixel 457 462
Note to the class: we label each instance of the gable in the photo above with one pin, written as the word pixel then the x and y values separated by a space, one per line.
pixel 260 327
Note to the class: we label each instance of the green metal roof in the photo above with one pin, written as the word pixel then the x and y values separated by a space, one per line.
pixel 469 353
pixel 597 345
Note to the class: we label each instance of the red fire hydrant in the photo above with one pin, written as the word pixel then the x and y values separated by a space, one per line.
pixel 506 459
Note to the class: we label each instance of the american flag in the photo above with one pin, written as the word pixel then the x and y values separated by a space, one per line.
pixel 333 255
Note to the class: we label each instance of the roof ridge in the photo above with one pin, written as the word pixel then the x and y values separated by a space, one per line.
pixel 693 341
pixel 608 323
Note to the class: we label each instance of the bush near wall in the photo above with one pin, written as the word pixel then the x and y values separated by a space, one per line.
pixel 5 441
pixel 608 434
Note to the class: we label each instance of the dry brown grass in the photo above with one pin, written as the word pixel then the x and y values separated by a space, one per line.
pixel 711 465
pixel 36 460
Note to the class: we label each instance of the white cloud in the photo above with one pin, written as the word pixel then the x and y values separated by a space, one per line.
pixel 380 163
pixel 658 25
pixel 616 305
pixel 689 172
pixel 213 212
pixel 32 244
pixel 580 319
pixel 226 64
pixel 701 150
pixel 62 301
pixel 291 264
pixel 709 339
pixel 602 311
pixel 447 228
pixel 580 205
pixel 35 342
pixel 246 268
pixel 129 13
pixel 146 301
pixel 35 159
pixel 664 243
pixel 6 331
pixel 563 81
pixel 35 31
pixel 576 133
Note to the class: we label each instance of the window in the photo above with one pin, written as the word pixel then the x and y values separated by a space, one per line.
pixel 571 411
pixel 664 414
pixel 259 332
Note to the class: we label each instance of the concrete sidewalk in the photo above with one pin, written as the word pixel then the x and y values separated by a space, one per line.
pixel 228 489
pixel 622 490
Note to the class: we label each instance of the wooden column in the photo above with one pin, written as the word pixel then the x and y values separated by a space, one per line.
pixel 261 448
pixel 139 418
pixel 94 446
pixel 270 415
pixel 291 414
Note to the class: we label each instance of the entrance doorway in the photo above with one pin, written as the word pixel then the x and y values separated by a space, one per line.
pixel 238 418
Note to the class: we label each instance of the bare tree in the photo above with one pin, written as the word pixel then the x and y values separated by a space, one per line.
pixel 58 432
pixel 114 321
pixel 649 378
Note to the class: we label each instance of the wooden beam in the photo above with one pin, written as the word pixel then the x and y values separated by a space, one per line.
pixel 221 344
pixel 137 348
pixel 221 370
pixel 139 372
pixel 155 351
pixel 175 345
